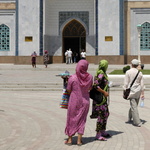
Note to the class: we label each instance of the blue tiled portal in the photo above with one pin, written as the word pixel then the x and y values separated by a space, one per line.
pixel 82 15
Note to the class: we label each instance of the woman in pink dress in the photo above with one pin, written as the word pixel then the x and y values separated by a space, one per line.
pixel 79 85
pixel 33 60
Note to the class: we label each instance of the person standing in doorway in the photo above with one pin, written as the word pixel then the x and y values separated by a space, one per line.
pixel 83 54
pixel 137 91
pixel 33 59
pixel 69 56
pixel 66 56
pixel 75 57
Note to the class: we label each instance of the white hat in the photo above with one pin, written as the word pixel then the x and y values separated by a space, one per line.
pixel 135 62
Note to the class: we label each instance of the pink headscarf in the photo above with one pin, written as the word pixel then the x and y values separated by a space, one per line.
pixel 81 71
pixel 45 51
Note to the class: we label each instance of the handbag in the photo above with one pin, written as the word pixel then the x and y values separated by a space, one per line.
pixel 96 95
pixel 127 91
pixel 64 99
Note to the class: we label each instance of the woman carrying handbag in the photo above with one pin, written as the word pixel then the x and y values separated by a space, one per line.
pixel 100 107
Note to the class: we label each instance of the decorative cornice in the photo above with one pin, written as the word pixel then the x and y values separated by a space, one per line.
pixel 140 4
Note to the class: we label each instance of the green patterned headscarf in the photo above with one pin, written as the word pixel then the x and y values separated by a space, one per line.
pixel 102 68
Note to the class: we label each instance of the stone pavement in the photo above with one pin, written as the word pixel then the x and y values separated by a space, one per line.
pixel 32 119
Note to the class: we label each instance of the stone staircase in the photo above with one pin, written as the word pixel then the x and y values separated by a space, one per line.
pixel 26 78
pixel 50 86
pixel 31 86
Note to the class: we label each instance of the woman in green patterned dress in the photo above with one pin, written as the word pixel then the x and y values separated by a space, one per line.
pixel 100 110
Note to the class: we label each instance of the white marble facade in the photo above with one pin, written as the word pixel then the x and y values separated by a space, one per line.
pixel 109 24
pixel 28 24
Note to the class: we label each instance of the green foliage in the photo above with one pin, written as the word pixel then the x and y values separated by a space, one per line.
pixel 126 68
pixel 117 72
pixel 120 72
pixel 146 72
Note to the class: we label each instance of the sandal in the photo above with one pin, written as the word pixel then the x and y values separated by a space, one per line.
pixel 66 142
pixel 101 138
pixel 80 144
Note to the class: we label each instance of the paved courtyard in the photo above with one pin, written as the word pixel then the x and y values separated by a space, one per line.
pixel 32 119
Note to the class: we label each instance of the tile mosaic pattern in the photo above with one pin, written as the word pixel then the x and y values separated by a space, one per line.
pixel 4 38
pixel 82 15
pixel 145 36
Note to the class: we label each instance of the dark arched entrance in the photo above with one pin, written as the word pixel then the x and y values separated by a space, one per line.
pixel 74 37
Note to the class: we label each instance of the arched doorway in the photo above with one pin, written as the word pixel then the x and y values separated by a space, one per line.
pixel 74 37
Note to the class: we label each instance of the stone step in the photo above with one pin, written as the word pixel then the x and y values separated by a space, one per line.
pixel 121 89
pixel 27 83
pixel 31 89
pixel 50 89
pixel 52 86
pixel 31 86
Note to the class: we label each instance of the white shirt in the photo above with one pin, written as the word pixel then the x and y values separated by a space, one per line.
pixel 66 53
pixel 83 54
pixel 69 53
pixel 138 85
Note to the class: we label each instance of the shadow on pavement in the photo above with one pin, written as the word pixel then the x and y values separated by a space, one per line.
pixel 112 133
pixel 92 139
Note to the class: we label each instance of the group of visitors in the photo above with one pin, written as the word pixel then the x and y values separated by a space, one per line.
pixel 72 57
pixel 69 56
pixel 79 85
pixel 45 58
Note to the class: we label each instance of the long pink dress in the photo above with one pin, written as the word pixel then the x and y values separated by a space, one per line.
pixel 79 102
